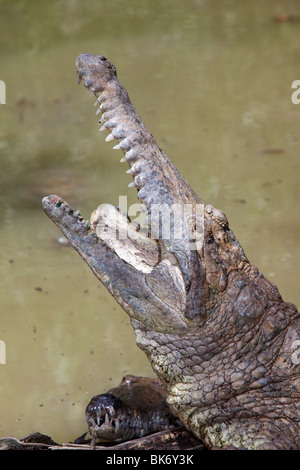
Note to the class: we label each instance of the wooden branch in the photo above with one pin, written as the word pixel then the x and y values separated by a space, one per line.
pixel 176 439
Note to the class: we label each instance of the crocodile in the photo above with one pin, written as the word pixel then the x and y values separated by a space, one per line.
pixel 135 408
pixel 217 333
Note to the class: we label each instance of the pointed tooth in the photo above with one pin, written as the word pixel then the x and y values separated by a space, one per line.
pixel 106 418
pixel 142 193
pixel 131 155
pixel 104 106
pixel 98 420
pixel 118 132
pixel 107 115
pixel 117 147
pixel 109 138
pixel 103 128
pixel 86 223
pixel 123 159
pixel 125 144
pixel 136 167
pixel 76 214
pixel 91 92
pixel 130 171
pixel 96 103
pixel 131 185
pixel 109 124
pixel 98 111
pixel 138 181
pixel 101 98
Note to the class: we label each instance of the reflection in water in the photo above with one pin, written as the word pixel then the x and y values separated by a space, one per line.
pixel 212 80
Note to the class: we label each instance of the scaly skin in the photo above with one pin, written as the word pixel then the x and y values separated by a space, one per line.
pixel 216 332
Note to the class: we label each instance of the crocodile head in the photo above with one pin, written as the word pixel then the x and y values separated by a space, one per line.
pixel 175 260
pixel 194 300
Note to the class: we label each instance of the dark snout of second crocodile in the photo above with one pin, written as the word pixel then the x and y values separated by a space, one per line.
pixel 135 408
pixel 106 417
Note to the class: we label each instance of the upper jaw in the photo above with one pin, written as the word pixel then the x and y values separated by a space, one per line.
pixel 156 179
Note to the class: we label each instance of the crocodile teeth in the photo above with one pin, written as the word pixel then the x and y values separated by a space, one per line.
pixel 103 128
pixel 136 168
pixel 142 194
pixel 131 155
pixel 109 124
pixel 106 116
pixel 125 144
pixel 75 214
pixel 105 106
pixel 106 419
pixel 138 181
pixel 109 138
pixel 101 98
pixel 123 159
pixel 119 132
pixel 98 111
pixel 117 147
pixel 131 185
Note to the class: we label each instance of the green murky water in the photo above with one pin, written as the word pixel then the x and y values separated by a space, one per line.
pixel 212 80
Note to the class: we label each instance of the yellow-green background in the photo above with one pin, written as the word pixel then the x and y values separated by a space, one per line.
pixel 212 80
